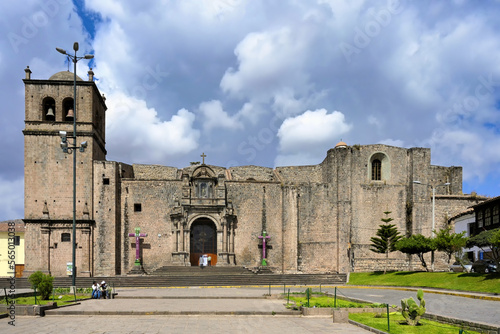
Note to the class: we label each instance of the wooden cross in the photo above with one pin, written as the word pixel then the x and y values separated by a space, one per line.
pixel 137 236
pixel 203 156
pixel 264 237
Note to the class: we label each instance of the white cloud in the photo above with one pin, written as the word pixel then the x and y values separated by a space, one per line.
pixel 216 117
pixel 307 137
pixel 136 133
pixel 212 9
pixel 268 61
pixel 107 8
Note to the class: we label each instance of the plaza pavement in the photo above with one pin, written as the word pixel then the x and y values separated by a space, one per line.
pixel 180 310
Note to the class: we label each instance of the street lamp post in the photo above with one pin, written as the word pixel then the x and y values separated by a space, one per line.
pixel 72 149
pixel 433 234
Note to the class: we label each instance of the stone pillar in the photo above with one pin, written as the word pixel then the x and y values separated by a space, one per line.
pixel 182 236
pixel 224 235
pixel 86 270
pixel 177 237
pixel 232 237
pixel 46 240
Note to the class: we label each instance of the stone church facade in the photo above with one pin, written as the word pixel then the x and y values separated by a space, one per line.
pixel 319 218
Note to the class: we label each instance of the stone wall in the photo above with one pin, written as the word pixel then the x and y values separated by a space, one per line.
pixel 318 230
pixel 155 172
pixel 252 173
pixel 248 199
pixel 156 200
pixel 300 174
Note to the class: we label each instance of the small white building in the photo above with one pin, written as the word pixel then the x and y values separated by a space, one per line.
pixel 466 221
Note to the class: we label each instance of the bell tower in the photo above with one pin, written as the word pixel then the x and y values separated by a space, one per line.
pixel 48 171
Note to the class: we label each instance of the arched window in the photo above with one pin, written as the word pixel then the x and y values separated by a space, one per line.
pixel 376 170
pixel 68 112
pixel 49 109
pixel 65 237
pixel 379 167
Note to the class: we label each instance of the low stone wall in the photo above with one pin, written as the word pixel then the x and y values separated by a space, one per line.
pixel 328 311
pixel 473 326
pixel 29 309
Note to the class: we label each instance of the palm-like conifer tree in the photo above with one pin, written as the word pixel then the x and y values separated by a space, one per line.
pixel 387 237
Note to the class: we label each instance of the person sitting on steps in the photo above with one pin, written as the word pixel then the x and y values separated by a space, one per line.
pixel 105 290
pixel 96 291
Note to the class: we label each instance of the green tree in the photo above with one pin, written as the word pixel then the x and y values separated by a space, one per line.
pixel 487 239
pixel 42 283
pixel 387 237
pixel 450 243
pixel 416 244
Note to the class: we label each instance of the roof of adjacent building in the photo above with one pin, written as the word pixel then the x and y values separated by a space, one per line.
pixel 469 211
pixel 18 224
pixel 487 202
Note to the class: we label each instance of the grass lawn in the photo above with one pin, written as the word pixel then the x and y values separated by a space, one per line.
pixel 488 283
pixel 325 301
pixel 66 299
pixel 397 324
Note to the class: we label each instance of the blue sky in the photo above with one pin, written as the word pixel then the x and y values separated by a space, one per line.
pixel 266 83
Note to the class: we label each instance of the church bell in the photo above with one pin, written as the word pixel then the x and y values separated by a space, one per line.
pixel 50 112
pixel 71 113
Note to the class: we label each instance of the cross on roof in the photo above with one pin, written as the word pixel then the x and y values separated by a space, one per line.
pixel 203 156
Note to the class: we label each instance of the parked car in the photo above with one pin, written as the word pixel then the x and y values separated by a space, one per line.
pixel 459 268
pixel 484 266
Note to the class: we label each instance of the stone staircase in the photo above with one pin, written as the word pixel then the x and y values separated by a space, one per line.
pixel 195 276
pixel 199 271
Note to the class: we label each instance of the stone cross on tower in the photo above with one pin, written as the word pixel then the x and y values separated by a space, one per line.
pixel 203 156
pixel 137 236
pixel 264 237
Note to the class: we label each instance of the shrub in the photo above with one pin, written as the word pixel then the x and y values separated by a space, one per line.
pixel 42 283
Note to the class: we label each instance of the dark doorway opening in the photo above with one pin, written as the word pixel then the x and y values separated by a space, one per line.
pixel 203 241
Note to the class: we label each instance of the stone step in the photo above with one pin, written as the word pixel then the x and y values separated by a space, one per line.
pixel 199 271
pixel 193 280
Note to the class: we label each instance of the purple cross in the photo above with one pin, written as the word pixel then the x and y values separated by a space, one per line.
pixel 137 236
pixel 264 237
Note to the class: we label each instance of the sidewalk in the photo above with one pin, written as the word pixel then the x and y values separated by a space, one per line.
pixel 185 301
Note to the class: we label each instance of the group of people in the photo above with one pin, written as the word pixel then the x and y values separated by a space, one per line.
pixel 100 290
pixel 205 260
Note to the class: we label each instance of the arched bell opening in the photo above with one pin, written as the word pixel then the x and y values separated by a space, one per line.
pixel 68 112
pixel 203 241
pixel 49 109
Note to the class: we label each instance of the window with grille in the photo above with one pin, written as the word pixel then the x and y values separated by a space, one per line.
pixel 376 170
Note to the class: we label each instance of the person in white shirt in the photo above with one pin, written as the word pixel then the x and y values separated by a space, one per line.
pixel 96 291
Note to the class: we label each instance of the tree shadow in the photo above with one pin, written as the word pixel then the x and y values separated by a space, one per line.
pixel 398 273
pixel 486 277
pixel 408 273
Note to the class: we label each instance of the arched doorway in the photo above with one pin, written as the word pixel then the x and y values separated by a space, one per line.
pixel 203 241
